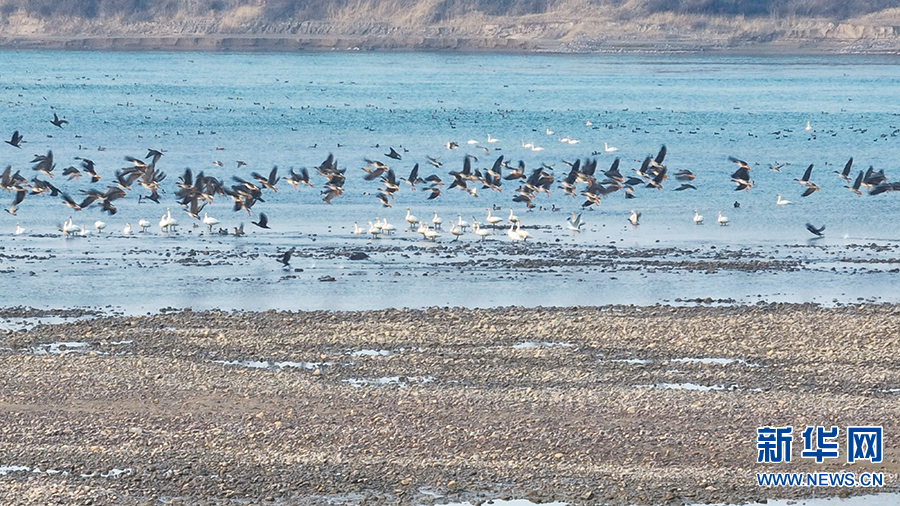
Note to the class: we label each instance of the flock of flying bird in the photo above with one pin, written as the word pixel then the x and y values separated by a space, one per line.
pixel 195 192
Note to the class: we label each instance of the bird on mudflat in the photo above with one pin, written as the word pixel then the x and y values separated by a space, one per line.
pixel 817 231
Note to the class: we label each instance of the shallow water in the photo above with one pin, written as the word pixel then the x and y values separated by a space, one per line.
pixel 292 110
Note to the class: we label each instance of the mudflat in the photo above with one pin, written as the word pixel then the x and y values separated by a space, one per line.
pixel 594 405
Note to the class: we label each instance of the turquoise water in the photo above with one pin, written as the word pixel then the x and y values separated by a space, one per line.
pixel 293 110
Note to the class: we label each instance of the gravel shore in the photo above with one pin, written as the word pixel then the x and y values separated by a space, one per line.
pixel 611 405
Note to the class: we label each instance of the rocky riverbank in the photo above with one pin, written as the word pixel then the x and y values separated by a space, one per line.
pixel 617 405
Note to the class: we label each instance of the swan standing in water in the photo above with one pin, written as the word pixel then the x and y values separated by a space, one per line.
pixel 493 220
pixel 456 231
pixel 373 230
pixel 461 223
pixel 127 229
pixel 522 233
pixel 19 230
pixel 698 219
pixel 480 232
pixel 512 233
pixel 209 221
pixel 144 224
pixel 512 217
pixel 412 220
pixel 723 220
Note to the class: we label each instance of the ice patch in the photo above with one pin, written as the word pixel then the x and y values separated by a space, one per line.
pixel 631 361
pixel 534 344
pixel 258 364
pixel 370 353
pixel 719 361
pixel 4 470
pixel 400 381
pixel 692 386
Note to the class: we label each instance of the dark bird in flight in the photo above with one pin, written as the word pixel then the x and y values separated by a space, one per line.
pixel 16 139
pixel 856 184
pixel 814 230
pixel 845 174
pixel 393 154
pixel 263 221
pixel 810 186
pixel 57 121
pixel 285 258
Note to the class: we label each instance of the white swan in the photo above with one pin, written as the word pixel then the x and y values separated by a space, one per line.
pixel 387 228
pixel 697 218
pixel 19 230
pixel 723 220
pixel 99 225
pixel 608 148
pixel 493 220
pixel 549 132
pixel 437 221
pixel 491 139
pixel 574 224
pixel 462 224
pixel 209 221
pixel 527 144
pixel 127 229
pixel 431 234
pixel 373 230
pixel 512 217
pixel 456 231
pixel 356 229
pixel 480 232
pixel 781 201
pixel 412 220
pixel 522 233
pixel 512 234
pixel 144 224
pixel 68 228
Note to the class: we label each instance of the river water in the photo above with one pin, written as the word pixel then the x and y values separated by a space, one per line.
pixel 293 110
